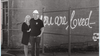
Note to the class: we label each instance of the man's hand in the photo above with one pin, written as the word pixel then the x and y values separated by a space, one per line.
pixel 39 35
pixel 29 30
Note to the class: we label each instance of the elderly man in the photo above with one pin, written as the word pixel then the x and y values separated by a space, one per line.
pixel 36 26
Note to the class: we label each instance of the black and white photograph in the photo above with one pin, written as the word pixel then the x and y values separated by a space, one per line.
pixel 49 27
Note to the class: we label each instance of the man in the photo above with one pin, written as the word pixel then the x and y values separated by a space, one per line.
pixel 36 26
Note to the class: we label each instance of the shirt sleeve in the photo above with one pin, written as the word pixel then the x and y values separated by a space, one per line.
pixel 42 24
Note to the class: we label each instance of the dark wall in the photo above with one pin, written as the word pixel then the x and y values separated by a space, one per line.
pixel 82 9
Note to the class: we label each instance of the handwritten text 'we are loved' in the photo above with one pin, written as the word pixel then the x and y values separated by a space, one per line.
pixel 74 22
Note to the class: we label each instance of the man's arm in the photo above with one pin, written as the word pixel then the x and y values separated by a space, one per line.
pixel 42 29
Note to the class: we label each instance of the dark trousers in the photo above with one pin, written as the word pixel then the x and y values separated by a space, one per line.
pixel 35 41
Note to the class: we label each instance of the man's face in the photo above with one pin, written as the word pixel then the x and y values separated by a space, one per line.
pixel 36 16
